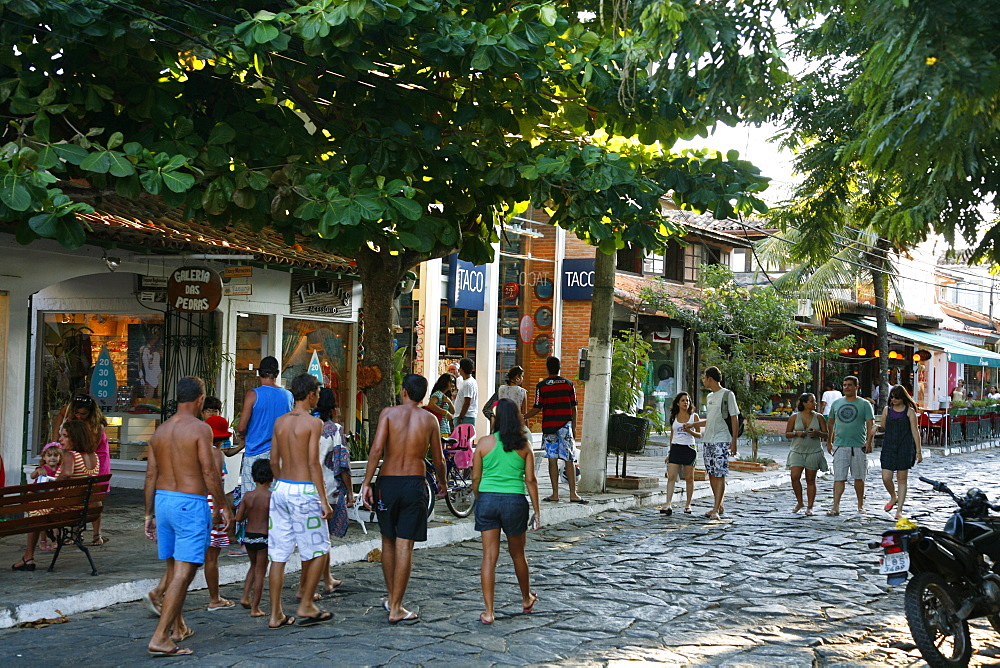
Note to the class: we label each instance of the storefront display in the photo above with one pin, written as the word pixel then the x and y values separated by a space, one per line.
pixel 328 341
pixel 115 357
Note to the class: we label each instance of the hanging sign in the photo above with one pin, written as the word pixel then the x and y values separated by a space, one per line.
pixel 466 284
pixel 243 271
pixel 578 279
pixel 315 369
pixel 194 290
pixel 103 384
pixel 313 295
pixel 511 290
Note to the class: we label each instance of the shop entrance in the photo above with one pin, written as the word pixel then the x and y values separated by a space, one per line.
pixel 253 343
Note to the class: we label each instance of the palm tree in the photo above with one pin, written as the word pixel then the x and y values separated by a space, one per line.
pixel 859 262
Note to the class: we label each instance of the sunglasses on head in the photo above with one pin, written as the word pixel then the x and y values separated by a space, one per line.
pixel 83 401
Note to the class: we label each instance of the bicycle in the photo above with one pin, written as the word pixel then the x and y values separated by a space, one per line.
pixel 460 497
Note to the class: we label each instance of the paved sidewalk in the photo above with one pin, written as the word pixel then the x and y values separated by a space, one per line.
pixel 128 566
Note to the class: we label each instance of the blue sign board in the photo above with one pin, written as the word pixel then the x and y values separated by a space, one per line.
pixel 466 284
pixel 578 279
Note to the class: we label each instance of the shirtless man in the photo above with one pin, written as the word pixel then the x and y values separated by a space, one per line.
pixel 299 508
pixel 401 441
pixel 180 472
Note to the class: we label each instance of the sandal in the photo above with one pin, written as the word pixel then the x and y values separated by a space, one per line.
pixel 23 565
pixel 98 541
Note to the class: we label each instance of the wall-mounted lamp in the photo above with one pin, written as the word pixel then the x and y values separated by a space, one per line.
pixel 112 262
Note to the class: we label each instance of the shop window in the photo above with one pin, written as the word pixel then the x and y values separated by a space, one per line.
pixel 308 343
pixel 119 359
pixel 458 329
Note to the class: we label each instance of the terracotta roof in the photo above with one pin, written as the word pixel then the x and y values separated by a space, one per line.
pixel 628 293
pixel 971 318
pixel 149 224
pixel 707 221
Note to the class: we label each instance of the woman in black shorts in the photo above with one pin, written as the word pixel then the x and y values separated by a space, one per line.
pixel 503 471
pixel 683 450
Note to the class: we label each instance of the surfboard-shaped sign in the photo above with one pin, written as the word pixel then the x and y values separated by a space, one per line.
pixel 315 369
pixel 103 384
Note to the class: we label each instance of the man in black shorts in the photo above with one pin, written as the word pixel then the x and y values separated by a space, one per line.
pixel 401 441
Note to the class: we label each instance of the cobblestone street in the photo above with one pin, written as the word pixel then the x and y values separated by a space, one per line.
pixel 762 587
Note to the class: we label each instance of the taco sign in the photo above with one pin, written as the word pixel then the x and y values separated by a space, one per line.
pixel 194 290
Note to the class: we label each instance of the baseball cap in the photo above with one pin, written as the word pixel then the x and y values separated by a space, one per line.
pixel 219 425
pixel 268 365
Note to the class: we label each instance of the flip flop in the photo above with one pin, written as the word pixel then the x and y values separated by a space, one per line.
pixel 809 513
pixel 482 618
pixel 385 604
pixel 579 501
pixel 666 511
pixel 550 499
pixel 832 513
pixel 287 621
pixel 226 603
pixel 687 510
pixel 534 600
pixel 100 540
pixel 324 616
pixel 713 516
pixel 411 618
pixel 147 601
pixel 889 506
pixel 176 651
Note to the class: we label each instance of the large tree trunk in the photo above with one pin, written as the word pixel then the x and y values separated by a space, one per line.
pixel 380 274
pixel 880 281
pixel 594 443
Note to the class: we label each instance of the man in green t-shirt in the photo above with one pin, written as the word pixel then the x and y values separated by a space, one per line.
pixel 851 425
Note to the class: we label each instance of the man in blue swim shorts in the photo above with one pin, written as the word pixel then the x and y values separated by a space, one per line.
pixel 180 472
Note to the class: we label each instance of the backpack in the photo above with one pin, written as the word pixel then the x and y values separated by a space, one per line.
pixel 740 420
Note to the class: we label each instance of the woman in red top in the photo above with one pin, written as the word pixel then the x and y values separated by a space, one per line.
pixel 78 461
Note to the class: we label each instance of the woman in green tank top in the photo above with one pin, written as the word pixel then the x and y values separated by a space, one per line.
pixel 503 471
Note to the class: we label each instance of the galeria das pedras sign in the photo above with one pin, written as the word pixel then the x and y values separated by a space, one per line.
pixel 194 290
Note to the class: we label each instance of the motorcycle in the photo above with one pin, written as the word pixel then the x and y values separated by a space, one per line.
pixel 952 580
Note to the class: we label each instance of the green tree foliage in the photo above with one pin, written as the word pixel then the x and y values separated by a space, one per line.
pixel 900 103
pixel 388 131
pixel 751 334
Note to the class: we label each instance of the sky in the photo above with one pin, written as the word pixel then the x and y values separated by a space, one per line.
pixel 753 145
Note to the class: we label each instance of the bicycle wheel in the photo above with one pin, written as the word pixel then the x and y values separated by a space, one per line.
pixel 431 488
pixel 460 498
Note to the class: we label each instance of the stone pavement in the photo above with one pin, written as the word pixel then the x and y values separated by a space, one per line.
pixel 761 587
pixel 128 566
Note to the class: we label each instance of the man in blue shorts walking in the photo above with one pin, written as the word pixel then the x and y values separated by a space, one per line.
pixel 180 472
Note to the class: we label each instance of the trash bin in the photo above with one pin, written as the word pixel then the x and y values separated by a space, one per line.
pixel 627 434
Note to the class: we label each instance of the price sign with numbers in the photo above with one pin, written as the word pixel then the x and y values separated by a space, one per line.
pixel 103 384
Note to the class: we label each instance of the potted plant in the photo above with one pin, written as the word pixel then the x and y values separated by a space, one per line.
pixel 629 423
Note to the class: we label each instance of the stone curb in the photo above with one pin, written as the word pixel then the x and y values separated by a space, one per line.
pixel 439 536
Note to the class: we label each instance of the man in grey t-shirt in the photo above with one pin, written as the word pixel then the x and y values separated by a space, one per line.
pixel 718 440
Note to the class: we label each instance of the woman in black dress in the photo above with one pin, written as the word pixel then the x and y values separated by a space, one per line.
pixel 901 446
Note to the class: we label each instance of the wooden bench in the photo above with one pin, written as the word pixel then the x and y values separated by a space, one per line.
pixel 69 504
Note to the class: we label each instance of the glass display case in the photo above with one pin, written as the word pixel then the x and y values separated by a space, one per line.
pixel 129 434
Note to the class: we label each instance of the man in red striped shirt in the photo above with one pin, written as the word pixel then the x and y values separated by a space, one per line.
pixel 555 398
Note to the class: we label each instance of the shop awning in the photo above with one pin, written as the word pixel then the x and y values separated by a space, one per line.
pixel 957 351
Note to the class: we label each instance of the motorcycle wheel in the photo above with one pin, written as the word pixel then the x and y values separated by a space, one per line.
pixel 930 612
